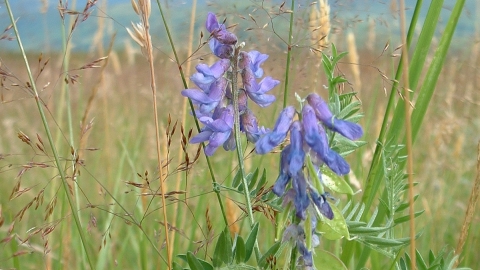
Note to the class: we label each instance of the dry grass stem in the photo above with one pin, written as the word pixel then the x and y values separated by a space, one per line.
pixel 470 212
pixel 354 60
pixel 320 24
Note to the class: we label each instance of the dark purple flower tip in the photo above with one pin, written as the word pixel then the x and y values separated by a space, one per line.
pixel 273 138
pixel 296 155
pixel 322 204
pixel 220 50
pixel 320 106
pixel 244 60
pixel 279 186
pixel 256 60
pixel 348 129
pixel 314 133
pixel 306 255
pixel 284 176
pixel 229 144
pixel 301 200
pixel 336 163
pixel 242 100
pixel 249 125
pixel 219 31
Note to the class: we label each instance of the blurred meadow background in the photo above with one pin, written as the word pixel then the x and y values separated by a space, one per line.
pixel 95 88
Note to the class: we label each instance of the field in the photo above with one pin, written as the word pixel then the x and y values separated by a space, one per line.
pixel 93 171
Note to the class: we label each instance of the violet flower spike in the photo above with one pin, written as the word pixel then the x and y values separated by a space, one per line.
pixel 348 129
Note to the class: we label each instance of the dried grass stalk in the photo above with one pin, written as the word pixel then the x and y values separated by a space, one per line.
pixel 354 59
pixel 320 24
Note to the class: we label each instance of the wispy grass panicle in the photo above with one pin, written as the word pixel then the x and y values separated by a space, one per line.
pixel 319 24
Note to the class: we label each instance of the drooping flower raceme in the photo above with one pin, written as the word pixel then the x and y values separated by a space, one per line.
pixel 307 137
pixel 213 97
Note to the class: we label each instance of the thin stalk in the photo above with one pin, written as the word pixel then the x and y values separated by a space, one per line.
pixel 153 86
pixel 49 136
pixel 289 56
pixel 184 120
pixel 408 131
pixel 470 212
pixel 238 143
pixel 66 90
pixel 182 75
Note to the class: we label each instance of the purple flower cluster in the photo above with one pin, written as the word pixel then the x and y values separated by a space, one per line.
pixel 213 98
pixel 307 136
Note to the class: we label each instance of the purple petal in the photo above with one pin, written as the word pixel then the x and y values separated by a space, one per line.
pixel 322 204
pixel 279 186
pixel 337 163
pixel 201 137
pixel 220 50
pixel 257 59
pixel 249 125
pixel 320 106
pixel 348 129
pixel 212 23
pixel 301 200
pixel 314 133
pixel 267 84
pixel 279 132
pixel 196 95
pixel 217 139
pixel 262 100
pixel 229 144
pixel 225 37
pixel 297 155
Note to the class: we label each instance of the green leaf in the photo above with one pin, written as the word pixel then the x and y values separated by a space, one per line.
pixel 334 182
pixel 326 260
pixel 252 237
pixel 223 249
pixel 353 224
pixel 271 252
pixel 176 266
pixel 368 230
pixel 333 229
pixel 237 179
pixel 383 242
pixel 240 250
pixel 406 217
pixel 421 265
pixel 193 262
pixel 253 180
pixel 205 264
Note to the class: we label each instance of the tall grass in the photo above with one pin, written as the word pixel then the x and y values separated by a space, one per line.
pixel 139 192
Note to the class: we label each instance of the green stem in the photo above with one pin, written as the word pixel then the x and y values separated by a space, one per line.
pixel 289 56
pixel 238 143
pixel 210 168
pixel 49 136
